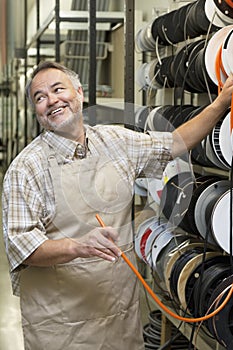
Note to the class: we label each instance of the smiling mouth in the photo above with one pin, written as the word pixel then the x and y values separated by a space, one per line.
pixel 56 111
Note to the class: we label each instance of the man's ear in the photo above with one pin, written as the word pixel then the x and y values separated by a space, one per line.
pixel 80 92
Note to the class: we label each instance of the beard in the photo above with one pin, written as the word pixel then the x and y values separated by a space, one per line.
pixel 64 127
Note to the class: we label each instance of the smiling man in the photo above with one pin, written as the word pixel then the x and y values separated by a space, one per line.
pixel 75 292
pixel 58 104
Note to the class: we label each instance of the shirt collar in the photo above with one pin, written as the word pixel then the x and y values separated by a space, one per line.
pixel 63 146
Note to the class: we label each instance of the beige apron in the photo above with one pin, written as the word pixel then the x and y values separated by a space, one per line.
pixel 87 304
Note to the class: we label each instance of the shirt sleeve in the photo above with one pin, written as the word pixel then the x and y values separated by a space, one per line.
pixel 149 152
pixel 23 230
pixel 158 154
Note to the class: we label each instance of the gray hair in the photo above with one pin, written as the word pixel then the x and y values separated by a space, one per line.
pixel 50 64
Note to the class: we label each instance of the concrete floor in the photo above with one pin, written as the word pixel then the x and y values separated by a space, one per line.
pixel 11 337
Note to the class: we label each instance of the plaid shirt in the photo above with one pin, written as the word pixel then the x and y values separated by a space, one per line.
pixel 28 197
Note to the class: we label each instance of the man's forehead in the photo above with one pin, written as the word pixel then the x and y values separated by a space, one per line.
pixel 49 78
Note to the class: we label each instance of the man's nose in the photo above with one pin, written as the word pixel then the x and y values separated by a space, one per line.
pixel 52 98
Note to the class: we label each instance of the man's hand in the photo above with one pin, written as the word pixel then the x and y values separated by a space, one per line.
pixel 99 242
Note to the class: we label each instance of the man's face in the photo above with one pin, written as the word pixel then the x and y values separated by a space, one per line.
pixel 57 103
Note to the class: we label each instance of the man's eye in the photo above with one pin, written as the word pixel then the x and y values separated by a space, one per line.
pixel 59 89
pixel 39 98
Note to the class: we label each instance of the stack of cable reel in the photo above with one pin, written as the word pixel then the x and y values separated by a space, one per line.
pixel 176 197
pixel 140 117
pixel 186 69
pixel 189 246
pixel 206 287
pixel 198 278
pixel 193 205
pixel 193 66
pixel 220 326
pixel 189 21
pixel 180 266
pixel 196 275
pixel 152 334
pixel 218 55
pixel 213 151
pixel 148 233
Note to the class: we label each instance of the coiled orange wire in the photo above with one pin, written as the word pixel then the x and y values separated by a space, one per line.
pixel 158 301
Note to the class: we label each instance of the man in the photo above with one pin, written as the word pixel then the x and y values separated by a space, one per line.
pixel 75 292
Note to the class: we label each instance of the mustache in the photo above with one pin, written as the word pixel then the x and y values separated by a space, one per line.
pixel 54 108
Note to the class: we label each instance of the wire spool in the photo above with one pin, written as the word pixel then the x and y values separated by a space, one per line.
pixel 153 242
pixel 221 325
pixel 196 274
pixel 193 69
pixel 179 265
pixel 157 31
pixel 144 39
pixel 141 115
pixel 201 17
pixel 201 183
pixel 224 140
pixel 220 221
pixel 145 76
pixel 154 187
pixel 188 21
pixel 196 20
pixel 140 187
pixel 219 12
pixel 211 51
pixel 176 254
pixel 154 113
pixel 161 241
pixel 172 29
pixel 176 241
pixel 147 230
pixel 185 274
pixel 163 73
pixel 198 153
pixel 206 200
pixel 152 334
pixel 146 187
pixel 189 69
pixel 175 199
pixel 211 155
pixel 227 52
pixel 199 157
pixel 215 138
pixel 143 232
pixel 210 280
pixel 180 63
pixel 181 114
pixel 201 74
pixel 197 78
pixel 159 118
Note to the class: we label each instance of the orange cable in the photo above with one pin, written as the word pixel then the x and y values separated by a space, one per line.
pixel 218 68
pixel 229 3
pixel 231 115
pixel 158 301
